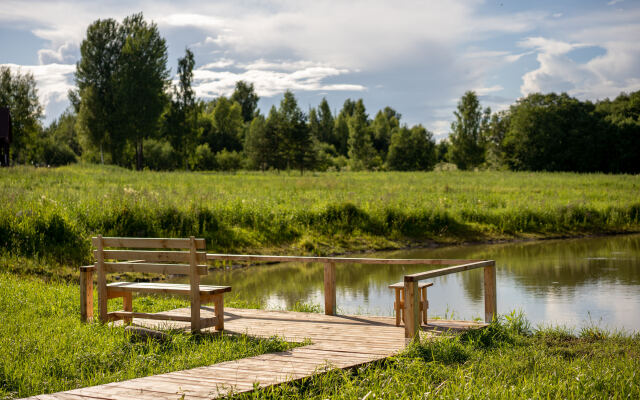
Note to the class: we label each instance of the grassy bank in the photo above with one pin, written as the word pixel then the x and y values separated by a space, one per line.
pixel 45 348
pixel 505 361
pixel 52 212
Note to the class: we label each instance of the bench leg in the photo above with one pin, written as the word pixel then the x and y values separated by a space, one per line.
pixel 86 295
pixel 218 303
pixel 127 305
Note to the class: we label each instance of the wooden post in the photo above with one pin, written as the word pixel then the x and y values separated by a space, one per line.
pixel 194 280
pixel 490 298
pixel 411 309
pixel 397 306
pixel 102 282
pixel 330 289
pixel 86 294
pixel 127 305
pixel 218 303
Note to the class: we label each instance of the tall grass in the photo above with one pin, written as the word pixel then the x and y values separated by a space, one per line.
pixel 500 362
pixel 45 348
pixel 52 212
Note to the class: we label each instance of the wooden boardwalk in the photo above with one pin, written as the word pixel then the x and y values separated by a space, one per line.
pixel 337 342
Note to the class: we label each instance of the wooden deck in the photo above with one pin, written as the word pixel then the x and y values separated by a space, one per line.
pixel 337 342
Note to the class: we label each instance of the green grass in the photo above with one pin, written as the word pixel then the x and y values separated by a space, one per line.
pixel 45 348
pixel 501 362
pixel 51 213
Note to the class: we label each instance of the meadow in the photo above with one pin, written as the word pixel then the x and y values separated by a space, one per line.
pixel 51 213
pixel 48 215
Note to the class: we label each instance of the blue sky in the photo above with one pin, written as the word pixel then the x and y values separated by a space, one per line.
pixel 416 56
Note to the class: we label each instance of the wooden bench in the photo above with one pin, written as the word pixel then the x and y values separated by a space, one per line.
pixel 124 255
pixel 398 305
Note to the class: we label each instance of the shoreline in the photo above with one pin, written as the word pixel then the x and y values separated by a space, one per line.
pixel 438 245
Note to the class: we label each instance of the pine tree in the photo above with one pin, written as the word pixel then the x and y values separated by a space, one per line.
pixel 361 152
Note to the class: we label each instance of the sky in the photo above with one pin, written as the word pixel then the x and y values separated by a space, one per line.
pixel 418 57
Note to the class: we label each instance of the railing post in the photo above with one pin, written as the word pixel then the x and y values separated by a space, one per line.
pixel 490 300
pixel 102 281
pixel 411 308
pixel 86 293
pixel 330 288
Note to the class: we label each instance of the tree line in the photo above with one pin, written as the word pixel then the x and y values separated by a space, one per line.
pixel 125 111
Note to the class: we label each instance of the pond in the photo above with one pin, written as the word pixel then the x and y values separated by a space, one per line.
pixel 570 282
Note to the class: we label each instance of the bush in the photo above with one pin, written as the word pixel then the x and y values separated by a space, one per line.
pixel 229 160
pixel 203 158
pixel 159 155
pixel 56 153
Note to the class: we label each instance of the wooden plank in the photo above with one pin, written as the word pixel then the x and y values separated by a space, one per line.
pixel 159 316
pixel 411 308
pixel 330 289
pixel 194 281
pixel 166 288
pixel 324 260
pixel 86 295
pixel 420 285
pixel 446 271
pixel 150 255
pixel 102 281
pixel 490 293
pixel 149 243
pixel 166 269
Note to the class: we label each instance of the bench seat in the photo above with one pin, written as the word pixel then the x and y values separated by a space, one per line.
pixel 400 285
pixel 169 288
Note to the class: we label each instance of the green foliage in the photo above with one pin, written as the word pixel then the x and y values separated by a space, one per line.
pixel 52 152
pixel 554 133
pixel 18 92
pixel 385 123
pixel 298 142
pixel 160 155
pixel 411 149
pixel 245 95
pixel 180 121
pixel 467 137
pixel 362 154
pixel 442 150
pixel 256 144
pixel 229 160
pixel 54 212
pixel 326 124
pixel 122 76
pixel 203 159
pixel 227 124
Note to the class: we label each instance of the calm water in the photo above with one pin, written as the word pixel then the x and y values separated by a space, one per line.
pixel 560 282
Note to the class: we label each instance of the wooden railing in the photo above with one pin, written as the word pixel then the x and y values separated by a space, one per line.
pixel 412 296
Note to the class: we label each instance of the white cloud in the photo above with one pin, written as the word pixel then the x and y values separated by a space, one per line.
pixel 482 91
pixel 614 2
pixel 53 82
pixel 220 64
pixel 269 79
pixel 604 75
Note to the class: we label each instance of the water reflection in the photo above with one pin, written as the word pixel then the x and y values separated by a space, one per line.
pixel 567 282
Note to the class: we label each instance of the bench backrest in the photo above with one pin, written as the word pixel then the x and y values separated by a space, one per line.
pixel 123 255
